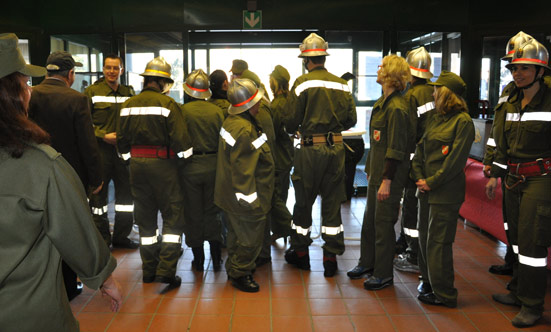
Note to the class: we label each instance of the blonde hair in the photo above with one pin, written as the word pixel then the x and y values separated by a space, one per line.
pixel 446 101
pixel 279 86
pixel 395 72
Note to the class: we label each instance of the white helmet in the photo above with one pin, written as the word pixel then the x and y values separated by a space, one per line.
pixel 197 85
pixel 514 43
pixel 531 53
pixel 313 45
pixel 419 61
pixel 243 94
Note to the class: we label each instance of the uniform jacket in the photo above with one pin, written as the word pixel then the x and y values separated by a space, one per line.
pixel 264 120
pixel 45 217
pixel 441 156
pixel 245 168
pixel 526 134
pixel 284 151
pixel 420 95
pixel 152 118
pixel 223 104
pixel 319 103
pixel 388 138
pixel 65 114
pixel 105 104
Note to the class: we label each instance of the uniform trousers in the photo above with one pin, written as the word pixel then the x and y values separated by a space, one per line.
pixel 280 216
pixel 409 219
pixel 155 186
pixel 528 207
pixel 437 227
pixel 115 169
pixel 319 169
pixel 244 242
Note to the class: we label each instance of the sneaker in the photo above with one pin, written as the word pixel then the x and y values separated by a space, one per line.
pixel 300 259
pixel 374 283
pixel 402 263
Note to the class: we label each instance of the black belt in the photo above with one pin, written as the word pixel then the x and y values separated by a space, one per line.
pixel 202 153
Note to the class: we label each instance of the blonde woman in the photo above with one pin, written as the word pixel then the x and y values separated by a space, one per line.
pixel 437 169
pixel 386 167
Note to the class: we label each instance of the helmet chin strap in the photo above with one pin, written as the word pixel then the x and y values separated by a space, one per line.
pixel 536 79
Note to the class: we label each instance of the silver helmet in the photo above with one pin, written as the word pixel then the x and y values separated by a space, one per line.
pixel 419 61
pixel 243 94
pixel 158 67
pixel 197 85
pixel 514 43
pixel 313 45
pixel 531 53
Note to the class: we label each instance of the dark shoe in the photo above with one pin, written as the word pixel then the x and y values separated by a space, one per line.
pixel 525 318
pixel 216 255
pixel 148 279
pixel 507 299
pixel 300 259
pixel 430 298
pixel 262 261
pixel 329 264
pixel 126 244
pixel 401 245
pixel 198 258
pixel 374 283
pixel 424 288
pixel 173 282
pixel 358 272
pixel 403 263
pixel 245 284
pixel 505 269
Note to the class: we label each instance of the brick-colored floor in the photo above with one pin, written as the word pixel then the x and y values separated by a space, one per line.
pixel 292 300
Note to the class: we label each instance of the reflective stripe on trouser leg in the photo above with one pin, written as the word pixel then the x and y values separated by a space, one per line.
pixel 124 204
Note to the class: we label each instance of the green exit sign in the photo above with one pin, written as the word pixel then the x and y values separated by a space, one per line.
pixel 252 20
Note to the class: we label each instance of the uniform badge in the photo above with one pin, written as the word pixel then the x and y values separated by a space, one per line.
pixel 445 149
pixel 377 135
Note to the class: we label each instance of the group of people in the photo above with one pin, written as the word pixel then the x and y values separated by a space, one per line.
pixel 221 163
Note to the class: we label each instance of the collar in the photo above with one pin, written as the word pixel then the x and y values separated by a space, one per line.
pixel 517 94
pixel 318 68
pixel 55 79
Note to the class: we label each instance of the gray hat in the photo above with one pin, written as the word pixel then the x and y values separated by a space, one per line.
pixel 243 94
pixel 451 81
pixel 11 59
pixel 238 66
pixel 61 60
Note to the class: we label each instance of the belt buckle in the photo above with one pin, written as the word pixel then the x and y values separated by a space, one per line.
pixel 543 170
pixel 307 141
pixel 160 149
pixel 329 139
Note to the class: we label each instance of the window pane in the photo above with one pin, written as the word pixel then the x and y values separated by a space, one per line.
pixel 176 60
pixel 80 54
pixel 485 79
pixel 56 44
pixel 505 76
pixel 368 88
pixel 135 65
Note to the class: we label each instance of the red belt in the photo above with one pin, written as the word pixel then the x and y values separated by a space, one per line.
pixel 541 166
pixel 151 151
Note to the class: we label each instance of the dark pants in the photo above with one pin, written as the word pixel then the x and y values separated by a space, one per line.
pixel 244 242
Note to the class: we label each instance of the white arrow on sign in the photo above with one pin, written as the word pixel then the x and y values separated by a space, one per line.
pixel 251 20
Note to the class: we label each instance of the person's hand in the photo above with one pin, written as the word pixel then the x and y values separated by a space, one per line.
pixel 491 186
pixel 422 185
pixel 110 138
pixel 384 190
pixel 486 170
pixel 112 289
pixel 96 190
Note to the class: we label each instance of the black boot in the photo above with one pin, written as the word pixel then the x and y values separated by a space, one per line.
pixel 198 258
pixel 216 255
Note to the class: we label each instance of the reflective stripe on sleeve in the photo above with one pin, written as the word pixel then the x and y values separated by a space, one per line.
pixel 146 110
pixel 500 165
pixel 411 232
pixel 259 141
pixel 425 108
pixel 536 116
pixel 532 261
pixel 172 238
pixel 124 208
pixel 505 226
pixel 515 248
pixel 512 117
pixel 109 99
pixel 185 154
pixel 99 211
pixel 503 99
pixel 125 156
pixel 247 198
pixel 411 155
pixel 321 84
pixel 227 137
pixel 332 230
pixel 300 230
pixel 491 142
pixel 149 240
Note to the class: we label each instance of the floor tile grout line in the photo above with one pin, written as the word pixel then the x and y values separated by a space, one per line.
pixel 198 297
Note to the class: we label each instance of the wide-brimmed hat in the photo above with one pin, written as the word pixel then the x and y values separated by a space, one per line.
pixel 60 61
pixel 451 81
pixel 11 59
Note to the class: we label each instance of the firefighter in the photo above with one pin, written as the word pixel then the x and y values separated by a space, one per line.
pixel 219 89
pixel 238 67
pixel 152 134
pixel 106 97
pixel 523 156
pixel 321 107
pixel 437 169
pixel 422 102
pixel 197 174
pixel 244 182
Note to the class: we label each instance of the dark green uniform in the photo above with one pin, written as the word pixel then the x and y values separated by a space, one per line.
pixel 197 174
pixel 154 120
pixel 526 137
pixel 243 189
pixel 440 158
pixel 106 105
pixel 222 103
pixel 422 102
pixel 45 217
pixel 320 103
pixel 389 126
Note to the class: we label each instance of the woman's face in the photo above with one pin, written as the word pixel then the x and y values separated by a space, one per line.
pixel 26 97
pixel 380 74
pixel 523 74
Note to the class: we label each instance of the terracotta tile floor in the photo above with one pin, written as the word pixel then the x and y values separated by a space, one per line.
pixel 292 300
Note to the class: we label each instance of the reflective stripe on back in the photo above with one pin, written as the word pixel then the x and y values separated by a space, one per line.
pixel 321 84
pixel 247 198
pixel 146 110
pixel 109 99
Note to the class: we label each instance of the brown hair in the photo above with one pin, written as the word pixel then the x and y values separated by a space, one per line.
pixel 446 101
pixel 279 86
pixel 16 130
pixel 395 72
